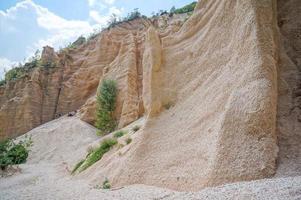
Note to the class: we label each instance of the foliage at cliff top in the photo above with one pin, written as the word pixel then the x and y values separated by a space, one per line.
pixel 21 70
pixel 185 9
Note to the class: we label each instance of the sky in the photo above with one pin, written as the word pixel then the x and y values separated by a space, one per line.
pixel 28 25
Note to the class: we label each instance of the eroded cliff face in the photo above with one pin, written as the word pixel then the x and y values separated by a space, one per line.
pixel 45 94
pixel 228 74
pixel 220 72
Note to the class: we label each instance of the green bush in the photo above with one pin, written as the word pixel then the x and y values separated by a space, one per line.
pixel 77 166
pixel 186 9
pixel 12 153
pixel 128 140
pixel 136 128
pixel 2 82
pixel 95 155
pixel 81 40
pixel 133 15
pixel 119 134
pixel 20 70
pixel 114 21
pixel 14 73
pixel 106 184
pixel 106 100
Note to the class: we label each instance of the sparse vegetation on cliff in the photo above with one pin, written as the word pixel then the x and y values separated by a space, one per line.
pixel 119 134
pixel 21 70
pixel 106 184
pixel 185 9
pixel 95 155
pixel 106 100
pixel 135 14
pixel 128 140
pixel 79 41
pixel 12 153
pixel 2 82
pixel 136 128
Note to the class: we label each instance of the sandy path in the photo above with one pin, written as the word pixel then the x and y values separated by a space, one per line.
pixel 45 181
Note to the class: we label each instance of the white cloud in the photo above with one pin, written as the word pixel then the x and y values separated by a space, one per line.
pixel 61 30
pixel 29 26
pixel 91 2
pixel 109 1
pixel 100 3
pixel 11 12
pixel 103 19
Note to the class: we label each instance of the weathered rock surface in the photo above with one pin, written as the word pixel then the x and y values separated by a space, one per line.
pixel 220 95
pixel 220 73
pixel 44 95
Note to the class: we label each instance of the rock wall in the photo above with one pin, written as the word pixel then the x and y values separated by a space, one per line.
pixel 219 73
pixel 219 93
pixel 289 90
pixel 45 94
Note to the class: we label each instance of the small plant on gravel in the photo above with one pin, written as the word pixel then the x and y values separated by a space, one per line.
pixel 13 153
pixel 106 102
pixel 119 134
pixel 128 140
pixel 106 184
pixel 96 154
pixel 90 150
pixel 77 166
pixel 136 128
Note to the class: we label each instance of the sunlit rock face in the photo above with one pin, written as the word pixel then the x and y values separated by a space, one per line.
pixel 71 77
pixel 218 91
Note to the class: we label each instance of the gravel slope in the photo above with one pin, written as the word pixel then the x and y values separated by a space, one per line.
pixel 47 173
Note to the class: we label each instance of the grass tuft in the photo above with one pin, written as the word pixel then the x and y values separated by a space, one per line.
pixel 77 166
pixel 136 128
pixel 97 154
pixel 128 140
pixel 106 184
pixel 119 134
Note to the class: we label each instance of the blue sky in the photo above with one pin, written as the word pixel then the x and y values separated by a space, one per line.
pixel 28 25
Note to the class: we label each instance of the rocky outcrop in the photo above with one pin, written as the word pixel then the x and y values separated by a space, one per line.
pixel 152 78
pixel 28 102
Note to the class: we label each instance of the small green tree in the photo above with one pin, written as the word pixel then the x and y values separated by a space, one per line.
pixel 106 100
pixel 12 153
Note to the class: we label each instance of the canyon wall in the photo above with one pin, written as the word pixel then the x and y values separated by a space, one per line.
pixel 45 94
pixel 210 95
pixel 218 93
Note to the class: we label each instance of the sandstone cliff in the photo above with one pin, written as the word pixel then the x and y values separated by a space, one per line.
pixel 229 76
pixel 45 94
